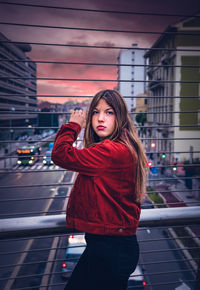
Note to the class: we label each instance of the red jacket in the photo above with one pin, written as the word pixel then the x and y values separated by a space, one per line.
pixel 102 198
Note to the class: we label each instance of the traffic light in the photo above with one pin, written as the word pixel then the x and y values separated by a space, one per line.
pixel 163 155
pixel 174 167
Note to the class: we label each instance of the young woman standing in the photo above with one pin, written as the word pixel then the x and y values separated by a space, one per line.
pixel 105 201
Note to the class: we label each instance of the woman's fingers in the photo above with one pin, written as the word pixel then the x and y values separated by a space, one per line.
pixel 78 116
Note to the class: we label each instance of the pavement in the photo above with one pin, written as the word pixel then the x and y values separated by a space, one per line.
pixel 178 195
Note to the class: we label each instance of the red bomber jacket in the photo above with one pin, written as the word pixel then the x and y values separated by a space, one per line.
pixel 102 200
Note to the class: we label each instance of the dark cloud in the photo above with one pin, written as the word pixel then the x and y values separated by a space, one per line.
pixel 67 18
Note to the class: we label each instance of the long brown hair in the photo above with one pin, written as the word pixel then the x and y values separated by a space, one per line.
pixel 124 132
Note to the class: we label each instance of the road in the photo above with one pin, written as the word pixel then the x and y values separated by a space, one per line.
pixel 23 198
pixel 162 261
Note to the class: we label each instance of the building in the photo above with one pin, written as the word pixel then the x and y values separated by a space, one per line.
pixel 130 72
pixel 175 95
pixel 141 103
pixel 18 100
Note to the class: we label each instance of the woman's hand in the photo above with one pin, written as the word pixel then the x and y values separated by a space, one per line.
pixel 78 116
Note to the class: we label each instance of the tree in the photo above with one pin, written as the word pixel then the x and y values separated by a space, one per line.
pixel 141 118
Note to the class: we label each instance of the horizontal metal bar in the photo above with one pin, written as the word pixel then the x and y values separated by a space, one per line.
pixel 67 96
pixel 37 185
pixel 36 198
pixel 68 113
pixel 52 224
pixel 149 192
pixel 77 246
pixel 61 285
pixel 157 166
pixel 98 64
pixel 69 184
pixel 34 213
pixel 59 272
pixel 138 127
pixel 67 196
pixel 98 80
pixel 100 30
pixel 65 235
pixel 147 152
pixel 36 171
pixel 143 139
pixel 99 10
pixel 64 248
pixel 98 46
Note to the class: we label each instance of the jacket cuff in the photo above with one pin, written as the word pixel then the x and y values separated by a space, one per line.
pixel 72 126
pixel 75 126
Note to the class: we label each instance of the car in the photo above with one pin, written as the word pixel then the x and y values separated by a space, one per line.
pixel 137 279
pixel 47 158
pixel 76 246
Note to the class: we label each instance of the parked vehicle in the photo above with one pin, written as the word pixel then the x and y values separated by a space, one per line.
pixel 75 248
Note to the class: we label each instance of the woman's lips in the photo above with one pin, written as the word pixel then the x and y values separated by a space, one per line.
pixel 101 127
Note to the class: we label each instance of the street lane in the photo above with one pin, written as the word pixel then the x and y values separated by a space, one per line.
pixel 28 179
pixel 163 266
pixel 9 208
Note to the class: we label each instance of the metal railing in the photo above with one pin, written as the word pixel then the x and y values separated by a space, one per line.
pixel 166 222
pixel 33 199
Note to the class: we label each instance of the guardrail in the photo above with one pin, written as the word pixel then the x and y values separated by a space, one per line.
pixel 55 224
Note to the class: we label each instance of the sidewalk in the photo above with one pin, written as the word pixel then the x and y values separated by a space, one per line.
pixel 180 197
pixel 5 161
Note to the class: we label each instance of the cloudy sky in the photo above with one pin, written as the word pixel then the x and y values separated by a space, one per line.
pixel 69 18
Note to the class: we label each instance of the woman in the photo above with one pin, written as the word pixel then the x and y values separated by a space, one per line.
pixel 106 197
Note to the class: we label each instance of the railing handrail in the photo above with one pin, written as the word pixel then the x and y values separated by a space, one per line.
pixel 55 224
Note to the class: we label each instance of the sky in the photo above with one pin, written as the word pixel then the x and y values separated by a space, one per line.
pixel 69 18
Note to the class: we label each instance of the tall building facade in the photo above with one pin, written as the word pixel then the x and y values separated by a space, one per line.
pixel 130 73
pixel 170 93
pixel 18 97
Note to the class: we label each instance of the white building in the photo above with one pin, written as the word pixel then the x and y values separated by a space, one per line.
pixel 131 73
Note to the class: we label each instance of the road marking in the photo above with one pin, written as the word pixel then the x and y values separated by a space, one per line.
pixel 47 273
pixel 29 244
pixel 17 268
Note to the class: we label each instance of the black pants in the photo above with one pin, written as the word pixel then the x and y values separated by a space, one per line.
pixel 106 263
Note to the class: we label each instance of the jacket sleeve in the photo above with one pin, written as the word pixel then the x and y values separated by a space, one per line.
pixel 88 161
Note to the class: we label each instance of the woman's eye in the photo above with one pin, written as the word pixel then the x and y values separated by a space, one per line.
pixel 110 113
pixel 95 112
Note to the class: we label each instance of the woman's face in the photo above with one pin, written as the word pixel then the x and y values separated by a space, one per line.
pixel 103 119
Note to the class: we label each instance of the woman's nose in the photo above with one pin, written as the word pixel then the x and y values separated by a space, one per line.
pixel 101 117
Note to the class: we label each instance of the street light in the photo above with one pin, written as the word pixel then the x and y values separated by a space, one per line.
pixel 153 145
